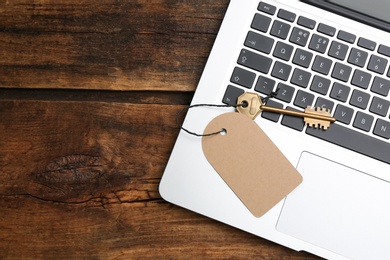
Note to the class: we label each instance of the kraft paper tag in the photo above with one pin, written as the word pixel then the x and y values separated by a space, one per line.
pixel 249 162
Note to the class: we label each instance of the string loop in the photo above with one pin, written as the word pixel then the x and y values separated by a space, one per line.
pixel 222 131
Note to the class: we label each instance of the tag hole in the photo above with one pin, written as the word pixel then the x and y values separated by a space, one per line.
pixel 223 131
pixel 245 104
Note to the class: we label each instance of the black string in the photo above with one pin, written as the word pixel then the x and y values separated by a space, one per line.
pixel 223 130
pixel 203 105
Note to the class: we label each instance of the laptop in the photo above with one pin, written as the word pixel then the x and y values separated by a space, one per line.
pixel 332 54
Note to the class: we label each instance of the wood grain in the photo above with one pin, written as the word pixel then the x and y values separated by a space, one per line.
pixel 79 180
pixel 109 44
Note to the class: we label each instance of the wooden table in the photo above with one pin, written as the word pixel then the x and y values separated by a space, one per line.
pixel 88 99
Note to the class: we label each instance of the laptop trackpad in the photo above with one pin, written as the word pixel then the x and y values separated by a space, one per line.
pixel 339 209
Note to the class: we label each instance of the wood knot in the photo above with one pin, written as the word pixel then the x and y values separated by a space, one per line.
pixel 71 170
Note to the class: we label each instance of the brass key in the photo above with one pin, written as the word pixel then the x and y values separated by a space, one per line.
pixel 313 117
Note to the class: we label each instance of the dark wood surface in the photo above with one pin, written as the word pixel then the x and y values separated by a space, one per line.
pixel 89 91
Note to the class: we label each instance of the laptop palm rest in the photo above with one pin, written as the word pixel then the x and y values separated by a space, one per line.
pixel 339 209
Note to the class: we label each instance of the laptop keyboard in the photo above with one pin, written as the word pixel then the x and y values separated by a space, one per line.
pixel 315 64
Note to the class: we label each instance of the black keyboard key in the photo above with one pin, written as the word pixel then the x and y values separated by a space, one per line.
pixel 296 123
pixel 355 141
pixel 306 22
pixel 280 29
pixel 261 22
pixel 343 114
pixel 285 92
pixel 377 64
pixel 385 50
pixel 269 115
pixel 338 50
pixel 303 99
pixel 363 121
pixel 379 106
pixel 366 44
pixel 299 36
pixel 231 95
pixel 318 43
pixel 266 8
pixel 361 79
pixel 340 92
pixel 357 57
pixel 265 85
pixel 301 78
pixel 360 99
pixel 254 61
pixel 324 103
pixel 380 86
pixel 302 58
pixel 281 71
pixel 346 36
pixel 320 85
pixel 341 72
pixel 382 128
pixel 243 77
pixel 287 15
pixel 326 29
pixel 322 65
pixel 259 42
pixel 283 51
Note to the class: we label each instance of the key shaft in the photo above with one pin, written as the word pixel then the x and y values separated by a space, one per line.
pixel 265 108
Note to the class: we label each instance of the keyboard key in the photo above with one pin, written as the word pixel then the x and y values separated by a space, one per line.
pixel 366 44
pixel 320 85
pixel 326 29
pixel 266 8
pixel 338 50
pixel 363 121
pixel 306 22
pixel 265 85
pixel 324 103
pixel 360 99
pixel 322 65
pixel 301 78
pixel 286 15
pixel 296 123
pixel 261 22
pixel 285 92
pixel 346 36
pixel 385 50
pixel 254 61
pixel 231 95
pixel 243 77
pixel 357 57
pixel 361 79
pixel 283 51
pixel 340 92
pixel 259 42
pixel 269 115
pixel 355 141
pixel 379 106
pixel 303 99
pixel 377 64
pixel 281 71
pixel 299 36
pixel 302 58
pixel 341 72
pixel 318 43
pixel 343 114
pixel 280 29
pixel 382 128
pixel 380 86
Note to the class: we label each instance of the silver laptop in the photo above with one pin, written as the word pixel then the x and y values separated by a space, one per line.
pixel 333 54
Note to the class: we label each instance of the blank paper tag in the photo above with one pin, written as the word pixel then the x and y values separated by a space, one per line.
pixel 249 162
